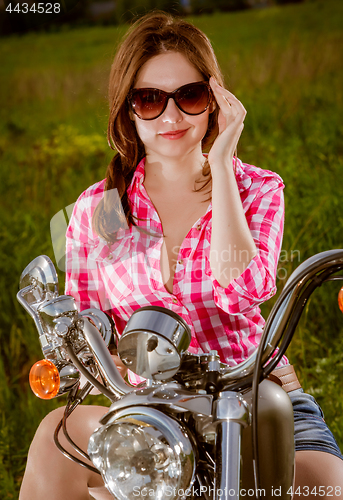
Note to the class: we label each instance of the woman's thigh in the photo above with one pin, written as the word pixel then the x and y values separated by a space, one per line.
pixel 318 474
pixel 318 459
pixel 48 470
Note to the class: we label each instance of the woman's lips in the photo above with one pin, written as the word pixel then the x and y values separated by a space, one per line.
pixel 174 134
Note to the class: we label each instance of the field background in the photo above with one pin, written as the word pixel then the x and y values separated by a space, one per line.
pixel 283 63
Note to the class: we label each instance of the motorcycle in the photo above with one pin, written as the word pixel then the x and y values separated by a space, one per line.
pixel 195 427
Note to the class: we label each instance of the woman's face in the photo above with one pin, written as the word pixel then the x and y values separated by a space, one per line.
pixel 174 133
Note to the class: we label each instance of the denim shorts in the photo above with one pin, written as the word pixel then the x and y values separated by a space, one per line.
pixel 310 430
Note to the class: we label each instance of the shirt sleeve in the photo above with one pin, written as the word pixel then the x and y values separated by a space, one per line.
pixel 83 280
pixel 265 217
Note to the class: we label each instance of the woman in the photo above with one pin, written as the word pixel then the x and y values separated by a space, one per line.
pixel 174 228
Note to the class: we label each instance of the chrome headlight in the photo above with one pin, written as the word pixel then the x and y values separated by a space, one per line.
pixel 143 452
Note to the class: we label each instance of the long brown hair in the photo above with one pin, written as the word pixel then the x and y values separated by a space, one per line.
pixel 153 34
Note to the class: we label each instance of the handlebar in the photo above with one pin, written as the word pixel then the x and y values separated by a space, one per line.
pixel 309 272
pixel 39 288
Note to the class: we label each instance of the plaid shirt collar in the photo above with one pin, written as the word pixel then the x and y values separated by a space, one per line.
pixel 243 180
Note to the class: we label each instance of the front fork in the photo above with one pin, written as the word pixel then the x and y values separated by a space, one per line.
pixel 231 414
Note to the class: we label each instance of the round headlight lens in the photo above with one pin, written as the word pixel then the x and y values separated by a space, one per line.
pixel 143 455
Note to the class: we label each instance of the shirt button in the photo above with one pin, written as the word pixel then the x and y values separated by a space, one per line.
pixel 110 257
pixel 180 261
pixel 174 299
pixel 198 227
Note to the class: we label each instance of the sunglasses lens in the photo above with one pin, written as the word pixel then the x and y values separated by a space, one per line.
pixel 148 103
pixel 193 99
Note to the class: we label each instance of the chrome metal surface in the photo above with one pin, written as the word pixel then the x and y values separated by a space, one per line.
pixel 104 360
pixel 151 421
pixel 41 275
pixel 57 316
pixel 61 306
pixel 228 456
pixel 213 362
pixel 47 323
pixel 153 342
pixel 69 376
pixel 62 326
pixel 231 406
pixel 172 394
pixel 102 323
pixel 230 415
pixel 152 416
pixel 39 285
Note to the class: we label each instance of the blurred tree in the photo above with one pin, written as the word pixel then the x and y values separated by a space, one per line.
pixel 201 6
pixel 126 10
pixel 209 6
pixel 19 21
pixel 230 5
pixel 283 2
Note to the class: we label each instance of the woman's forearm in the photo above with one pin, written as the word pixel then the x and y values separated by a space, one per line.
pixel 232 245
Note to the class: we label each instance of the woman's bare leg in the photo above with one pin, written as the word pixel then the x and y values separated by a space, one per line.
pixel 49 474
pixel 320 473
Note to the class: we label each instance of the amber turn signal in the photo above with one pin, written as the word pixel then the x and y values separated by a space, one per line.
pixel 340 299
pixel 44 379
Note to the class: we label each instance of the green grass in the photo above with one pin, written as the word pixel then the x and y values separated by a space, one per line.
pixel 283 63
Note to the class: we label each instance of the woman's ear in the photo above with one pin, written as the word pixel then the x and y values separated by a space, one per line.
pixel 213 105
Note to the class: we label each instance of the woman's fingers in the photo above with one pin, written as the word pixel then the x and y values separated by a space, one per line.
pixel 228 103
pixel 228 96
pixel 230 123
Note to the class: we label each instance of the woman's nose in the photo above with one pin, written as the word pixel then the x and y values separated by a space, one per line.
pixel 171 114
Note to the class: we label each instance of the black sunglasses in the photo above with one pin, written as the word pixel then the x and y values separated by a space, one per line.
pixel 192 99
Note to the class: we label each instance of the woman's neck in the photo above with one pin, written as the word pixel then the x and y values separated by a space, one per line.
pixel 174 172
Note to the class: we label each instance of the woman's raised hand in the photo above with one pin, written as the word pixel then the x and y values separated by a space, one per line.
pixel 231 123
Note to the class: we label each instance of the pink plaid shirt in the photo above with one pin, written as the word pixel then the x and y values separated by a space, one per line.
pixel 121 278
